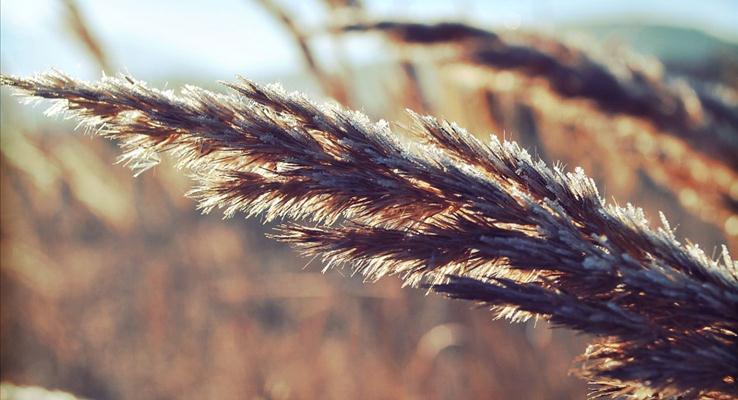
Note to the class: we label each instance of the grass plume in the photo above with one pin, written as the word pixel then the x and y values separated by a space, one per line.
pixel 476 220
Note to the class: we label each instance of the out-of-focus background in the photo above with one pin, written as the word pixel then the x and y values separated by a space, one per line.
pixel 114 287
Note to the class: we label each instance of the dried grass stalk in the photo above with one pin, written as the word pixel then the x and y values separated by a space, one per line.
pixel 331 87
pixel 698 119
pixel 481 221
pixel 78 26
pixel 634 87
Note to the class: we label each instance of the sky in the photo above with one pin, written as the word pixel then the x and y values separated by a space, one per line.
pixel 222 38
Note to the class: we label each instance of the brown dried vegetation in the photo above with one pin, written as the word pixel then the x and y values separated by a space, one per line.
pixel 473 219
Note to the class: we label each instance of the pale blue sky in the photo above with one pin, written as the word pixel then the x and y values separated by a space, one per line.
pixel 218 39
